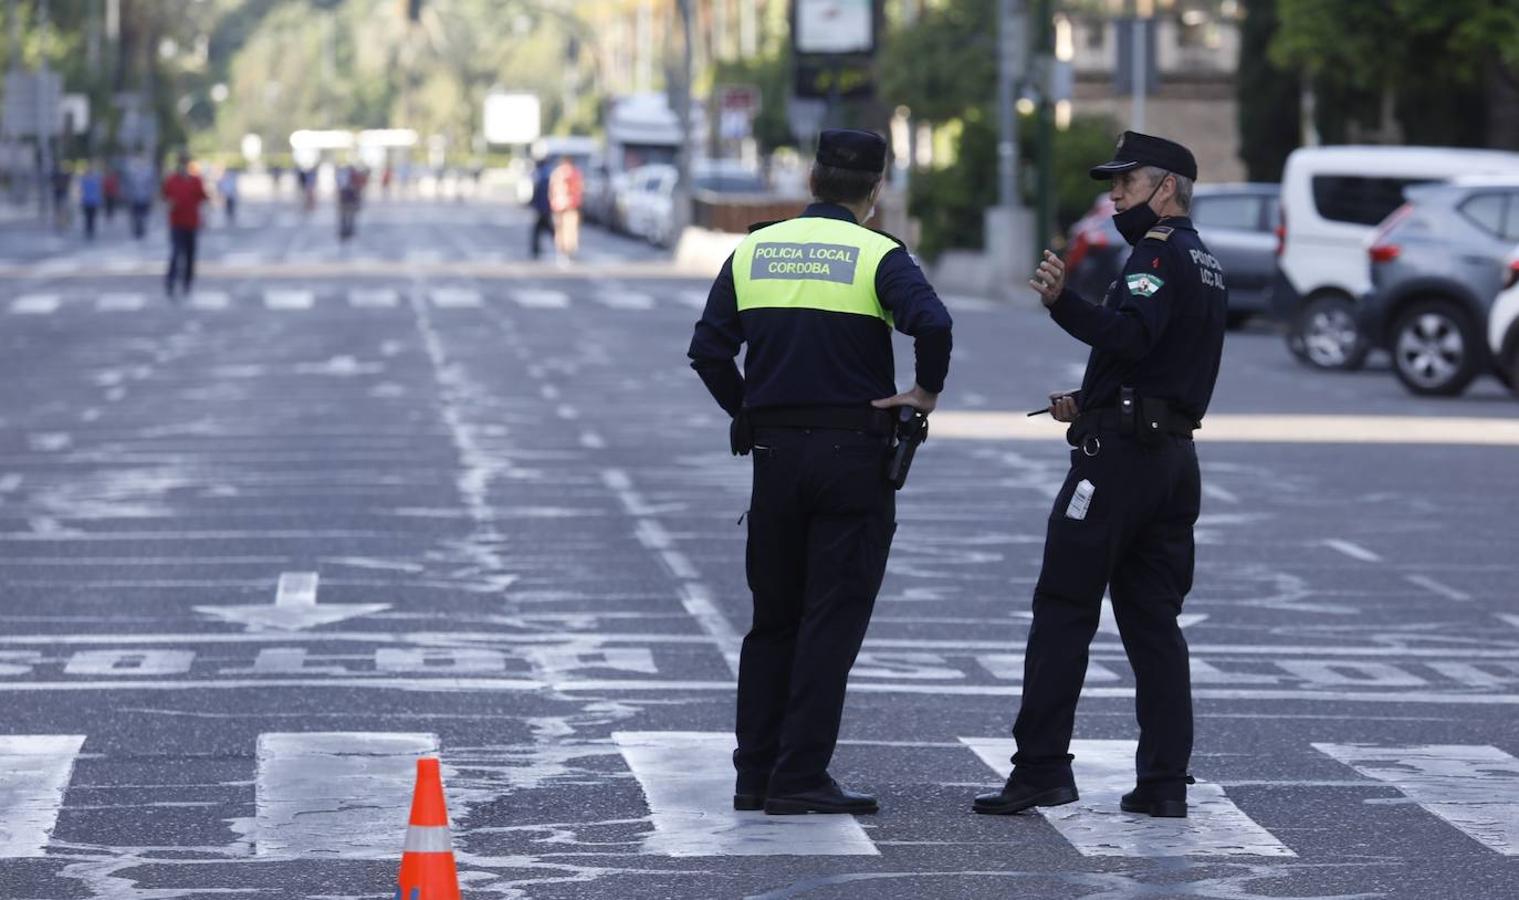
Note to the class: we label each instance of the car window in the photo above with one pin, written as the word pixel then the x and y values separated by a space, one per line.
pixel 1486 212
pixel 1273 216
pixel 1240 212
pixel 1359 199
pixel 1511 219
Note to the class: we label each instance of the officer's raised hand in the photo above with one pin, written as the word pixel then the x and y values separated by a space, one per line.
pixel 1049 279
pixel 1063 406
pixel 917 398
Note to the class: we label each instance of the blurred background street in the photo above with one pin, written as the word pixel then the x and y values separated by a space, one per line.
pixel 351 499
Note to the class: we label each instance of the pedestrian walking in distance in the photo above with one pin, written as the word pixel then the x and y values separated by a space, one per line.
pixel 1123 520
pixel 227 187
pixel 815 298
pixel 183 192
pixel 566 190
pixel 543 212
pixel 140 182
pixel 91 198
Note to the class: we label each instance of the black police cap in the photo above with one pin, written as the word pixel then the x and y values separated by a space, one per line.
pixel 849 148
pixel 1136 149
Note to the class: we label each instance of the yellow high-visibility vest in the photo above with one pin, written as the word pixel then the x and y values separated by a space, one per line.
pixel 812 263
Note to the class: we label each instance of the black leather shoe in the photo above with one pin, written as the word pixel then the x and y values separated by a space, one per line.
pixel 1141 801
pixel 748 802
pixel 830 798
pixel 1015 797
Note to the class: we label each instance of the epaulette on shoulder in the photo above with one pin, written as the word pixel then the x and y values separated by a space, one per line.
pixel 758 225
pixel 894 239
pixel 1159 233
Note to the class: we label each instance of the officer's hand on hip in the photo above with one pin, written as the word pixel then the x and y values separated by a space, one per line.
pixel 917 398
pixel 1049 279
pixel 1063 406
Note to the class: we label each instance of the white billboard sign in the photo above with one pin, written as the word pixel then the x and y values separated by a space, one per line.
pixel 835 26
pixel 512 118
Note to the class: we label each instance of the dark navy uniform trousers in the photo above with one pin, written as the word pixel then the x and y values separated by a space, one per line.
pixel 1135 540
pixel 821 520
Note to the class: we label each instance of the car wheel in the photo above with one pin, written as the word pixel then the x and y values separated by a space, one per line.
pixel 1511 369
pixel 1327 334
pixel 1434 349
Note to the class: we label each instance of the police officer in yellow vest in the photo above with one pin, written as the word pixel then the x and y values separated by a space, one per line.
pixel 815 298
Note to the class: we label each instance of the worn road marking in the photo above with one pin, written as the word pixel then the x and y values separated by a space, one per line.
pixel 373 298
pixel 533 298
pixel 1096 827
pixel 687 779
pixel 289 299
pixel 1444 590
pixel 294 608
pixel 210 300
pixel 335 795
pixel 120 302
pixel 455 298
pixel 1255 428
pixel 625 300
pixel 692 298
pixel 1352 550
pixel 1473 787
pixel 35 304
pixel 34 772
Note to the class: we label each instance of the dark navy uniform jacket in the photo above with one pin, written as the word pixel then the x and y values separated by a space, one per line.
pixel 1160 329
pixel 806 357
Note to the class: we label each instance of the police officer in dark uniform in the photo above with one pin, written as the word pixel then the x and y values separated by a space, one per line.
pixel 1123 520
pixel 815 298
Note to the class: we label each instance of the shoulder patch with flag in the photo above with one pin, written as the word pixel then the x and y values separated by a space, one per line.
pixel 1143 284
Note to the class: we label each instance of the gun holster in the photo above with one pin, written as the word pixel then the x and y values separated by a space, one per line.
pixel 741 434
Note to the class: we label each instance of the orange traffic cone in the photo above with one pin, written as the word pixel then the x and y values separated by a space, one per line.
pixel 427 864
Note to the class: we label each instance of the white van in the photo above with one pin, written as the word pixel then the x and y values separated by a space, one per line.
pixel 1332 200
pixel 1503 326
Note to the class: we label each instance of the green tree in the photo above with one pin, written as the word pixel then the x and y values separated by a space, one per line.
pixel 1431 62
pixel 1268 94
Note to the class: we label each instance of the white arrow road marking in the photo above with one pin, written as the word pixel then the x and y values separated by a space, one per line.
pixel 289 299
pixel 1096 827
pixel 336 795
pixel 35 304
pixel 1473 787
pixel 295 607
pixel 34 771
pixel 687 779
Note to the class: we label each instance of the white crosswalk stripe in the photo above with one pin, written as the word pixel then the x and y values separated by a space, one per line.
pixel 533 298
pixel 625 300
pixel 692 298
pixel 286 299
pixel 455 298
pixel 210 300
pixel 120 302
pixel 35 304
pixel 34 771
pixel 687 779
pixel 373 298
pixel 1096 827
pixel 1473 787
pixel 335 795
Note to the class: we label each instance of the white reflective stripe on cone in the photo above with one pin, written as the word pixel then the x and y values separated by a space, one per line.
pixel 428 839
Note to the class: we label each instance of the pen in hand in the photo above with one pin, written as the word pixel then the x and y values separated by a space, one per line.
pixel 1039 412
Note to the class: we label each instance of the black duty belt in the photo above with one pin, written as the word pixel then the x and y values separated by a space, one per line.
pixel 839 418
pixel 1163 420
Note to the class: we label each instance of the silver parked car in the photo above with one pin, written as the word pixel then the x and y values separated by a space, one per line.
pixel 1437 263
pixel 1237 221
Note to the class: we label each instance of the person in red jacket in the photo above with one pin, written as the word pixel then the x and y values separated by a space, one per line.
pixel 565 193
pixel 183 192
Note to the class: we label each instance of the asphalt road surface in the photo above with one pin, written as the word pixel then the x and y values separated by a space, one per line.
pixel 343 507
